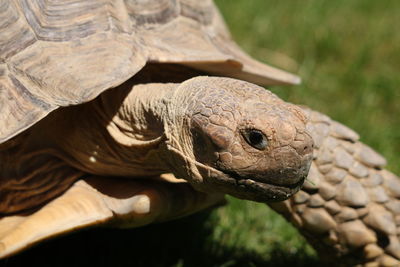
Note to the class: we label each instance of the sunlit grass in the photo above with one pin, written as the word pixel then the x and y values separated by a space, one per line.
pixel 347 52
pixel 348 55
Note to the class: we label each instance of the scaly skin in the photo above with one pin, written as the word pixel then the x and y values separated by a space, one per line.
pixel 212 139
pixel 219 134
pixel 196 131
pixel 349 207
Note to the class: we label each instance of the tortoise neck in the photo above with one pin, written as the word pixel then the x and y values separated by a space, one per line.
pixel 137 114
pixel 129 131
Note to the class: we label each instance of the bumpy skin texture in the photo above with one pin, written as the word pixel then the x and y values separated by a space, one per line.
pixel 220 115
pixel 349 207
pixel 199 129
pixel 221 135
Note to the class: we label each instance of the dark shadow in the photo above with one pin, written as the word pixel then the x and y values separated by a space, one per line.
pixel 184 242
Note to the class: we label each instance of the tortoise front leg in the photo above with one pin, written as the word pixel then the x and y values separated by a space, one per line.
pixel 103 201
pixel 349 207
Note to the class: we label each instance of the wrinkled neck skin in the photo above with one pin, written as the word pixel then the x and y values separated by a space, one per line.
pixel 219 134
pixel 150 119
pixel 128 131
pixel 156 118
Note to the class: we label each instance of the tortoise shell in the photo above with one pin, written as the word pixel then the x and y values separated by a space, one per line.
pixel 61 53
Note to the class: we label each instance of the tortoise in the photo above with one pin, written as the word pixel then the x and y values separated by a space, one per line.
pixel 102 101
pixel 105 161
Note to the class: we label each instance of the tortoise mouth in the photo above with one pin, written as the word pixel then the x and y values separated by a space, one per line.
pixel 249 180
pixel 263 190
pixel 254 188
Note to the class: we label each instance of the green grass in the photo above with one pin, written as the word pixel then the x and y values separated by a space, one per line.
pixel 348 54
pixel 346 51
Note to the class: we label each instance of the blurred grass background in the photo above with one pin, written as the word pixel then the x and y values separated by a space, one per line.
pixel 348 54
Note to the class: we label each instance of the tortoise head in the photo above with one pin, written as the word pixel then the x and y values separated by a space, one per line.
pixel 240 139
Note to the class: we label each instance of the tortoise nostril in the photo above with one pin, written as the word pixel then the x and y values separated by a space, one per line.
pixel 303 143
pixel 308 148
pixel 305 146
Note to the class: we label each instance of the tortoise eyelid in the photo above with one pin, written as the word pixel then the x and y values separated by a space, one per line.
pixel 255 138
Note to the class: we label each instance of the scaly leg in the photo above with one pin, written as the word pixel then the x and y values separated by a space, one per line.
pixel 349 207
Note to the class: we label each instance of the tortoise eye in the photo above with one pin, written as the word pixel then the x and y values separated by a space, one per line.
pixel 256 139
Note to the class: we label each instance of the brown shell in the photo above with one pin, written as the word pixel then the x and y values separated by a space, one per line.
pixel 60 53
